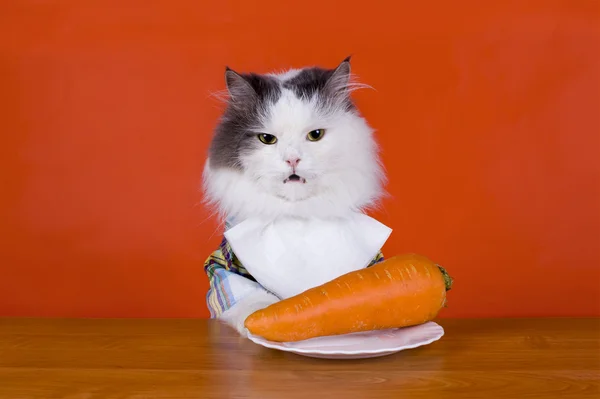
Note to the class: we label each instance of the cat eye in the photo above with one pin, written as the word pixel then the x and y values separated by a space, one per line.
pixel 316 135
pixel 267 138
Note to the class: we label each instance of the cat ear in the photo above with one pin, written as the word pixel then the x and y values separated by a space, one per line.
pixel 337 83
pixel 237 85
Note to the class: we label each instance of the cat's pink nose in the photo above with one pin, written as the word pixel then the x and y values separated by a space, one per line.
pixel 293 162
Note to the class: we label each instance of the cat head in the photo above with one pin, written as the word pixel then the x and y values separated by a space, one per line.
pixel 292 144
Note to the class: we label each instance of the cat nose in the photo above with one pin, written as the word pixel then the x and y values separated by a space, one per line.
pixel 293 162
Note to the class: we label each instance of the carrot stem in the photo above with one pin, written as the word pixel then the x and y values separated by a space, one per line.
pixel 447 279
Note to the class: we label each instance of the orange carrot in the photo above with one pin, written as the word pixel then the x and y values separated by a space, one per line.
pixel 401 291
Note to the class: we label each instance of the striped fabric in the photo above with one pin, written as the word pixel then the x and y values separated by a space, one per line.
pixel 230 281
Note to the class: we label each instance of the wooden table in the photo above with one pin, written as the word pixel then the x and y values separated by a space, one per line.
pixel 199 359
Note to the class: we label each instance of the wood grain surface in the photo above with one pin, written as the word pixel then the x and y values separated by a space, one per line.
pixel 202 359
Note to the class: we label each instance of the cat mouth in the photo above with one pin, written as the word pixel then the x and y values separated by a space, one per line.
pixel 294 178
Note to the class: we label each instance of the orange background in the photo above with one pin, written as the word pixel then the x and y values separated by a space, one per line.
pixel 487 113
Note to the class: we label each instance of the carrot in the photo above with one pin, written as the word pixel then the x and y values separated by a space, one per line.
pixel 398 292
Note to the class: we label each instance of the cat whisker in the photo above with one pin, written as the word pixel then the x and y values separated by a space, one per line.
pixel 220 95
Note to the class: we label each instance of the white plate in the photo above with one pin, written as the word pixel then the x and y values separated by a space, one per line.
pixel 359 345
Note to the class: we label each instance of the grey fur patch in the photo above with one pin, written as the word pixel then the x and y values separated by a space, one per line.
pixel 328 84
pixel 251 95
pixel 309 81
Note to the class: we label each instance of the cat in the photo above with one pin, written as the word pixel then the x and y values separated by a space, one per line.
pixel 290 144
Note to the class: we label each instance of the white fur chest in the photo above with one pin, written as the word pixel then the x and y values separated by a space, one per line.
pixel 290 255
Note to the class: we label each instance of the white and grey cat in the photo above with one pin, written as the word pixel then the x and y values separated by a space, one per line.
pixel 290 145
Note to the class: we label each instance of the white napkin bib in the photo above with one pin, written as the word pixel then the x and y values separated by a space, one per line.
pixel 289 256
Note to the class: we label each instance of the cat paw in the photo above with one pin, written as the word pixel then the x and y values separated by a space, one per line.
pixel 237 314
